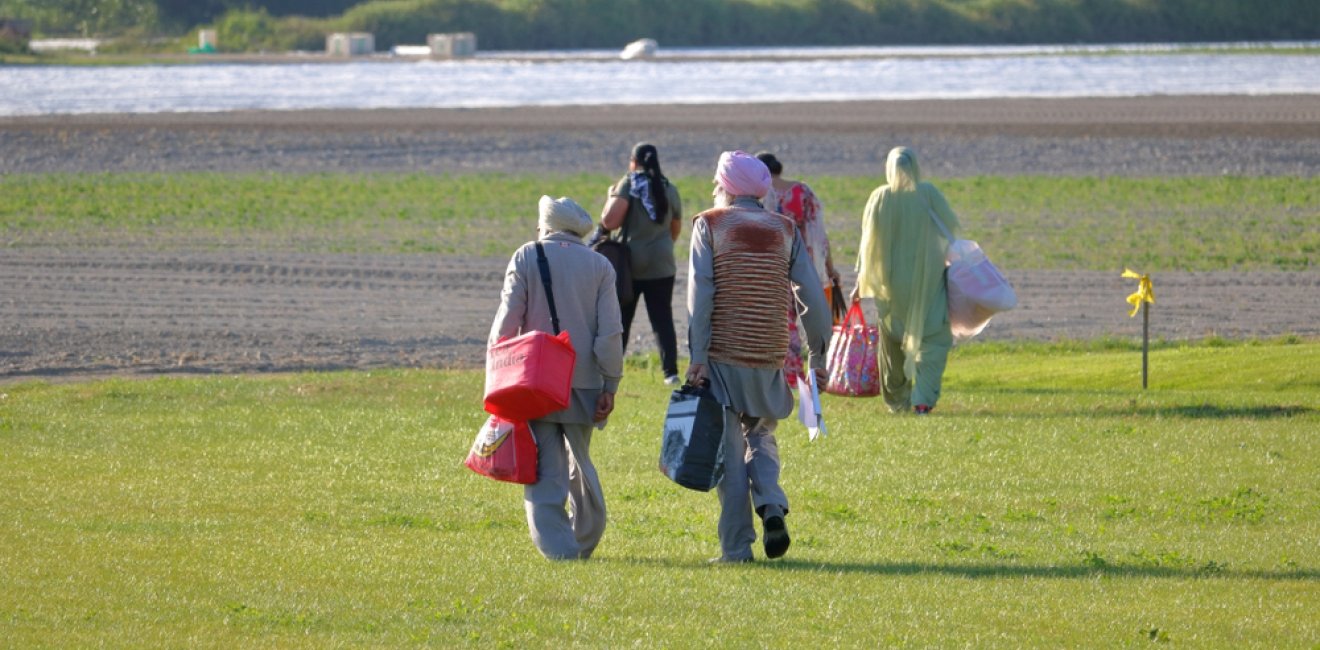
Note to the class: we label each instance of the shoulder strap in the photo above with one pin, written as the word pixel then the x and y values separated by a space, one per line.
pixel 544 265
pixel 931 209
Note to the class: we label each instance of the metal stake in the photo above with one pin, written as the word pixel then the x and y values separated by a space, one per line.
pixel 1145 344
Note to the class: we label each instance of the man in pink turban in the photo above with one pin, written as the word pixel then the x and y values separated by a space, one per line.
pixel 741 174
pixel 745 266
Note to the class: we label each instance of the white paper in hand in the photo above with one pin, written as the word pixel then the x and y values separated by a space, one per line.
pixel 809 405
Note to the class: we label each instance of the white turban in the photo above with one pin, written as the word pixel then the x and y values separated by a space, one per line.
pixel 563 215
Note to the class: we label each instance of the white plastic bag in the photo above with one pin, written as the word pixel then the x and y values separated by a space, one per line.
pixel 809 413
pixel 977 290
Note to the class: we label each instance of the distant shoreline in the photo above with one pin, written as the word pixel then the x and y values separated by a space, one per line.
pixel 1147 136
pixel 89 56
pixel 1286 117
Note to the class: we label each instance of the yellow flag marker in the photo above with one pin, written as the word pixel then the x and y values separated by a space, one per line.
pixel 1145 294
pixel 1145 291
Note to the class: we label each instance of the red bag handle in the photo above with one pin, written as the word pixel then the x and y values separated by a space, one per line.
pixel 854 314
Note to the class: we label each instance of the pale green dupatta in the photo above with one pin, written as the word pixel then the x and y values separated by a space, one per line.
pixel 900 262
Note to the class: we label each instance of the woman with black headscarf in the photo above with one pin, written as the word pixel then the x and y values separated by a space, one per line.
pixel 644 211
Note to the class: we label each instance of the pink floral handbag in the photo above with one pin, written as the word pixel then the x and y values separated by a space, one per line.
pixel 851 361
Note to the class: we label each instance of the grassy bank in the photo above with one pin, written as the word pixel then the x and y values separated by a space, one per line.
pixel 1191 224
pixel 1049 502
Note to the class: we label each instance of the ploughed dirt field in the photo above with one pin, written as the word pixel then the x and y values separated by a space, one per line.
pixel 78 310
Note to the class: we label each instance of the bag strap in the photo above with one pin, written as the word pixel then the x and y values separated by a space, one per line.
pixel 855 316
pixel 544 265
pixel 931 209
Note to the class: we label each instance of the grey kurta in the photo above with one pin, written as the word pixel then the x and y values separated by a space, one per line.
pixel 753 391
pixel 588 308
pixel 754 398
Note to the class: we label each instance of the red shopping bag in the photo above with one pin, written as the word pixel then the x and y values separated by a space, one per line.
pixel 505 451
pixel 529 376
pixel 851 361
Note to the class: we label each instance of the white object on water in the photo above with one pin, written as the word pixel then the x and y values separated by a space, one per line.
pixel 643 48
pixel 58 44
pixel 411 50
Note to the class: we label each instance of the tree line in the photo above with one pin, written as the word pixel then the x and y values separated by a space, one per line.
pixel 244 25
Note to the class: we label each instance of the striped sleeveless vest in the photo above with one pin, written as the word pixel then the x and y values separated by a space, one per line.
pixel 749 322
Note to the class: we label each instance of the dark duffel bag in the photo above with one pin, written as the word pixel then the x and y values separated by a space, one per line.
pixel 620 258
pixel 692 449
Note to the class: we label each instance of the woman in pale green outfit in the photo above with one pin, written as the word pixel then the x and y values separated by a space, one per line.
pixel 901 265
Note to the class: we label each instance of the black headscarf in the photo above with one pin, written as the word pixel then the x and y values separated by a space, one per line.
pixel 648 183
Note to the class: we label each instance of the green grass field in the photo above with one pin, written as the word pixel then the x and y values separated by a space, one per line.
pixel 1154 224
pixel 1049 502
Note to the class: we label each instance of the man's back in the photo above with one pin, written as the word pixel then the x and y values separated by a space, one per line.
pixel 751 258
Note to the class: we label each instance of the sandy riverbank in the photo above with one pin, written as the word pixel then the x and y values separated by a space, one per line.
pixel 1272 135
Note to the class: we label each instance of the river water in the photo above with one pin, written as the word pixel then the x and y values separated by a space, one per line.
pixel 677 76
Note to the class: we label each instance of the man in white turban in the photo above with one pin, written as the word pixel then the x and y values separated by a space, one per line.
pixel 582 283
pixel 562 215
pixel 745 267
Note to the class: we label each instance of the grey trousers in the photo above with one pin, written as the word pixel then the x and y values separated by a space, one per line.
pixel 564 474
pixel 751 480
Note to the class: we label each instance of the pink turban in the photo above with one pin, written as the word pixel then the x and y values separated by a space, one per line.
pixel 741 174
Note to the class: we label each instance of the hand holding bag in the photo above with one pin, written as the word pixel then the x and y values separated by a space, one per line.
pixel 977 290
pixel 854 369
pixel 692 447
pixel 504 450
pixel 530 376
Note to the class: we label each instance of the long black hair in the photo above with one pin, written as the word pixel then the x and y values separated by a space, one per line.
pixel 648 159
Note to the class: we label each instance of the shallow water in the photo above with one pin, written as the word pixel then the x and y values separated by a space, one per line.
pixel 678 76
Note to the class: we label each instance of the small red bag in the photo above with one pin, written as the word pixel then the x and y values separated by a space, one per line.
pixel 505 451
pixel 852 363
pixel 529 376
